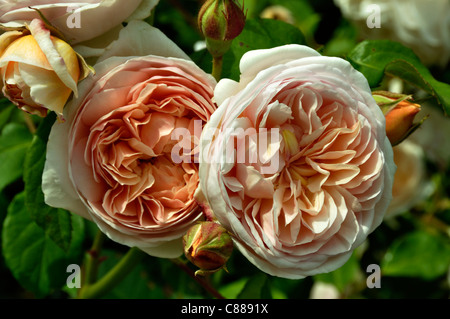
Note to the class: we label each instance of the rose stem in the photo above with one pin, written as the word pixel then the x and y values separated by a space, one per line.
pixel 217 67
pixel 202 281
pixel 114 276
pixel 91 262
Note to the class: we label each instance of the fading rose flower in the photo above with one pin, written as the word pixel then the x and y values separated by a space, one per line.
pixel 411 183
pixel 111 160
pixel 38 71
pixel 77 20
pixel 334 179
pixel 422 25
pixel 278 12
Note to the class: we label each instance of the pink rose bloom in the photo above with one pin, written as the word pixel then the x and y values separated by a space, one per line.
pixel 332 181
pixel 77 20
pixel 111 160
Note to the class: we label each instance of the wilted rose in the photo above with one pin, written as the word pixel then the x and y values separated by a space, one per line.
pixel 77 20
pixel 411 181
pixel 335 168
pixel 111 160
pixel 39 71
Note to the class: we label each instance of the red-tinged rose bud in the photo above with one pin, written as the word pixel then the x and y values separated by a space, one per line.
pixel 400 112
pixel 208 246
pixel 220 21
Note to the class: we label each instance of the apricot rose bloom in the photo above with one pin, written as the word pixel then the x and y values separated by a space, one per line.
pixel 111 162
pixel 38 71
pixel 333 179
pixel 79 20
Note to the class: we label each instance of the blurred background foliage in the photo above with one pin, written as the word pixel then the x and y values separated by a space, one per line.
pixel 412 248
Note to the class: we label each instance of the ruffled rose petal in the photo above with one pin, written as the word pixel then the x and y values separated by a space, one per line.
pixel 334 175
pixel 117 142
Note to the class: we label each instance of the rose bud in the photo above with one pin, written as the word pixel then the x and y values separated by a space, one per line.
pixel 220 21
pixel 38 70
pixel 399 111
pixel 208 246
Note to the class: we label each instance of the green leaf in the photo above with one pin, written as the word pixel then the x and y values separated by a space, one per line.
pixel 257 34
pixel 305 17
pixel 14 142
pixel 3 209
pixel 417 254
pixel 232 290
pixel 257 287
pixel 376 58
pixel 6 110
pixel 56 223
pixel 345 38
pixel 37 263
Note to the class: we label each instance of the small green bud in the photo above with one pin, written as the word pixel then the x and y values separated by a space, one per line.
pixel 220 21
pixel 208 246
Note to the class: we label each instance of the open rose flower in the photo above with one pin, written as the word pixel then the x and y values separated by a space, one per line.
pixel 332 181
pixel 77 20
pixel 111 160
pixel 38 71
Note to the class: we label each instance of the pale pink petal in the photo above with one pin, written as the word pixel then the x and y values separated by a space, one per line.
pixel 119 149
pixel 334 177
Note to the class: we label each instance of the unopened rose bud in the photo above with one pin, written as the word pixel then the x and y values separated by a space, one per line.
pixel 38 71
pixel 220 21
pixel 208 246
pixel 400 112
